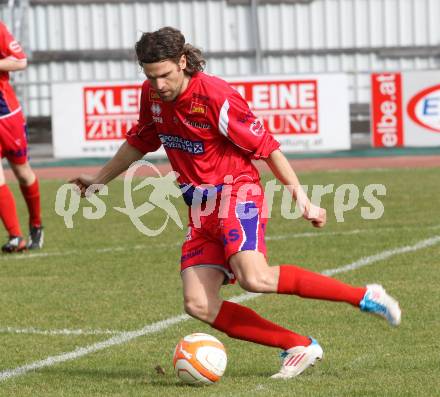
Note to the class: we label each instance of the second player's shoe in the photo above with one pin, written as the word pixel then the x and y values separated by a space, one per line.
pixel 14 244
pixel 297 359
pixel 36 238
pixel 377 301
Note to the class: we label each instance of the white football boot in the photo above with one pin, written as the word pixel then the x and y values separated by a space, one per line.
pixel 377 301
pixel 297 359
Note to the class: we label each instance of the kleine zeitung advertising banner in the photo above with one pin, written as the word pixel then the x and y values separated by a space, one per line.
pixel 109 112
pixel 305 113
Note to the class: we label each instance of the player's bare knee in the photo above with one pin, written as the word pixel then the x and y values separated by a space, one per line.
pixel 251 283
pixel 257 282
pixel 22 180
pixel 197 308
pixel 24 175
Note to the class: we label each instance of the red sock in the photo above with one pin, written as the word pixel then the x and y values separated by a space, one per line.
pixel 8 212
pixel 297 281
pixel 240 322
pixel 31 195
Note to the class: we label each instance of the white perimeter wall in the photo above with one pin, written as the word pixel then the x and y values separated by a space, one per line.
pixel 315 30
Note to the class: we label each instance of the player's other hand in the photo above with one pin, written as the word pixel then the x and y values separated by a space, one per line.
pixel 316 215
pixel 83 182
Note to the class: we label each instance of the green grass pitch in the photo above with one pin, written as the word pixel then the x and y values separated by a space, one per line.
pixel 105 275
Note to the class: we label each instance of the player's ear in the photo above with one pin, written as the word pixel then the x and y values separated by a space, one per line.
pixel 182 62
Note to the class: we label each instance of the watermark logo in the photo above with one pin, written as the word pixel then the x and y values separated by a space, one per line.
pixel 164 187
pixel 161 191
pixel 67 200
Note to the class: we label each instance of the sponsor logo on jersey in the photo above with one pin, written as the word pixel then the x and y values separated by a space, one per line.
pixel 179 143
pixel 16 153
pixel 201 125
pixel 191 254
pixel 154 96
pixel 197 108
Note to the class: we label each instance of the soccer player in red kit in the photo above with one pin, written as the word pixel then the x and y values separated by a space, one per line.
pixel 211 137
pixel 13 146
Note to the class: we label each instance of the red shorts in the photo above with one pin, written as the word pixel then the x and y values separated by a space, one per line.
pixel 225 232
pixel 13 138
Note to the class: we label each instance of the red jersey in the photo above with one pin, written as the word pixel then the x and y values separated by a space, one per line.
pixel 9 48
pixel 208 132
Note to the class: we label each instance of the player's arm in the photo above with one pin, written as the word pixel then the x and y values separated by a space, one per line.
pixel 283 171
pixel 12 64
pixel 243 129
pixel 141 139
pixel 124 157
pixel 13 56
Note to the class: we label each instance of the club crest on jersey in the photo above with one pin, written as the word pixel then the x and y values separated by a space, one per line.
pixel 197 108
pixel 154 96
pixel 14 46
pixel 156 110
pixel 256 128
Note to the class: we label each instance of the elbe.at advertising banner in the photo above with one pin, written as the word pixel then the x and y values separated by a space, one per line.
pixel 405 109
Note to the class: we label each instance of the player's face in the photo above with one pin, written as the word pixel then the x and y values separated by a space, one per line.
pixel 167 77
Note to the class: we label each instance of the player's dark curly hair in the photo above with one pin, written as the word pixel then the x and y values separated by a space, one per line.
pixel 168 44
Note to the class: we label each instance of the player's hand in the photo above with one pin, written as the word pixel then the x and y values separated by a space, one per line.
pixel 316 215
pixel 83 182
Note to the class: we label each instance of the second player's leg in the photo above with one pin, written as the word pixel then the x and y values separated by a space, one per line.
pixel 24 173
pixel 30 190
pixel 9 217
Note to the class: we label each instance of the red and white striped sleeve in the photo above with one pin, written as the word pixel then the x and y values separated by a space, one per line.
pixel 237 123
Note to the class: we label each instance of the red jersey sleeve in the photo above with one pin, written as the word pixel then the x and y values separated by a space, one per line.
pixel 241 126
pixel 10 48
pixel 143 135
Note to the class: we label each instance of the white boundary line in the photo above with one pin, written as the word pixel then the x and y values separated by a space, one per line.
pixel 164 324
pixel 31 330
pixel 26 256
pixel 70 332
pixel 367 260
pixel 161 245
